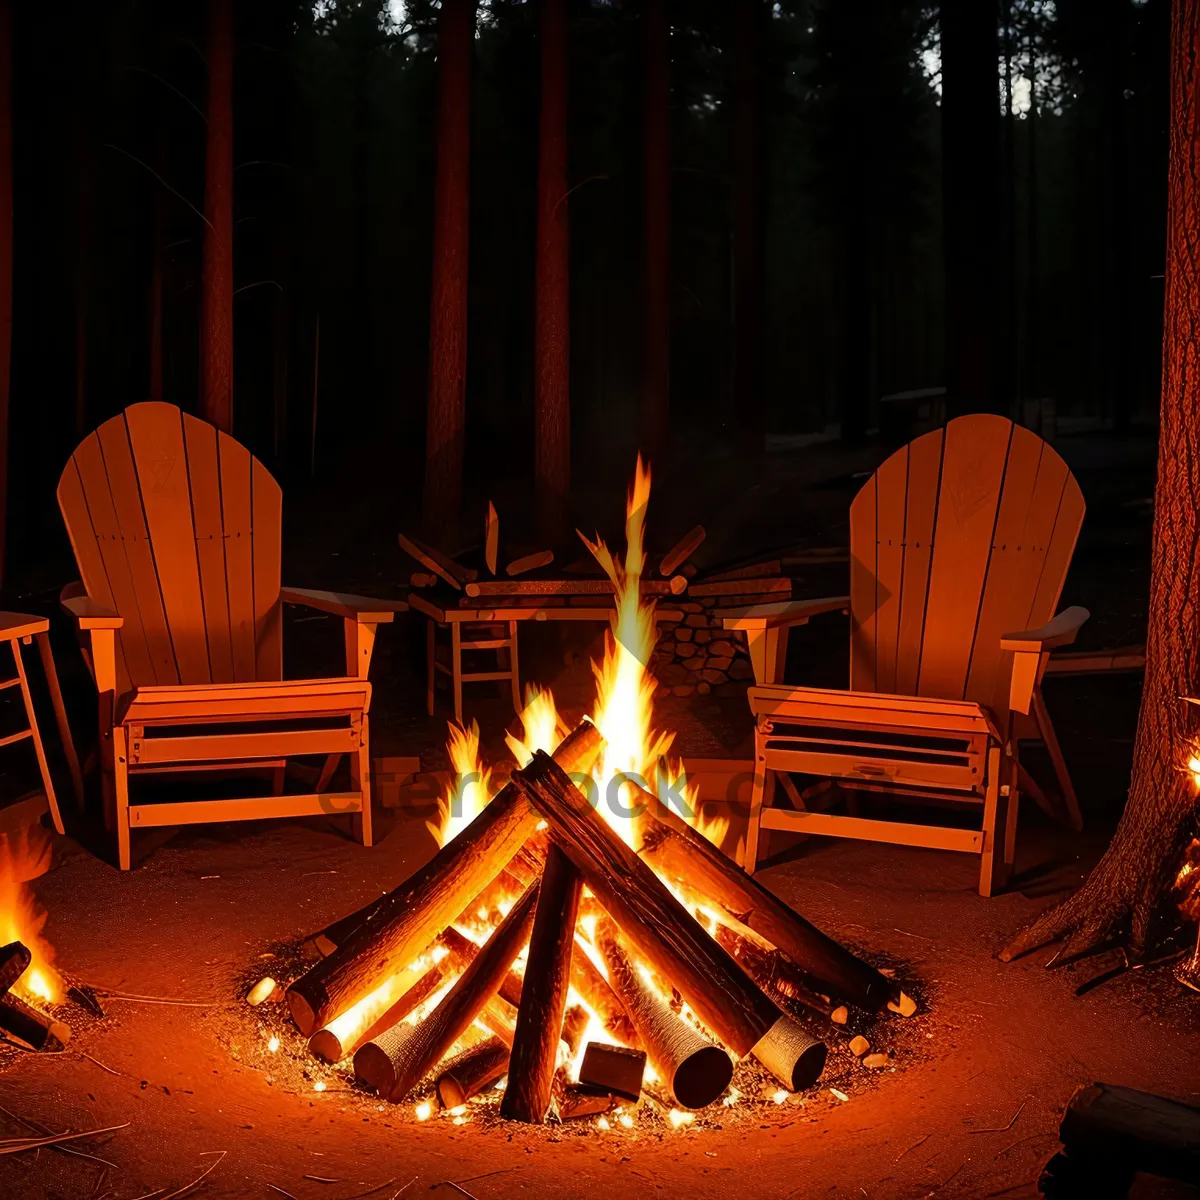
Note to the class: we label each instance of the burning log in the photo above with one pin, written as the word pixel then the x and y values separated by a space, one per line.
pixel 777 975
pixel 531 562
pixel 615 1069
pixel 14 958
pixel 599 996
pixel 663 931
pixel 682 550
pixel 468 1073
pixel 422 579
pixel 543 1003
pixel 575 1024
pixel 36 1029
pixel 397 1060
pixel 407 919
pixel 674 848
pixel 692 1069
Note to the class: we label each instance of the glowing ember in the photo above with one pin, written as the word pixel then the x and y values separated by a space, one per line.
pixel 626 1120
pixel 423 1111
pixel 679 1119
pixel 469 791
pixel 319 1086
pixel 602 1123
pixel 273 1044
pixel 1194 767
pixel 21 919
pixel 780 1097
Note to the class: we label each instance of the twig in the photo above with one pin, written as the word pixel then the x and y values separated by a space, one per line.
pixel 405 1187
pixel 187 1187
pixel 371 1191
pixel 45 1131
pixel 321 1179
pixel 98 1063
pixel 152 999
pixel 280 1190
pixel 915 1145
pixel 1003 1128
pixel 487 1174
pixel 16 1145
pixel 451 1183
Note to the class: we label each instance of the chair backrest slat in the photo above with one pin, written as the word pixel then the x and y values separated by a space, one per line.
pixel 957 539
pixel 159 509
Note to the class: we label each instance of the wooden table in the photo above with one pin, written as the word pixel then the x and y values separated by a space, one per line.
pixel 506 647
pixel 21 627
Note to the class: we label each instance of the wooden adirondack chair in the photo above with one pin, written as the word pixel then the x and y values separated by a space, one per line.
pixel 177 532
pixel 959 538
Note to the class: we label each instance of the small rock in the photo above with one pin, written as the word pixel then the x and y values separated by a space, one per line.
pixel 704 688
pixel 723 647
pixel 683 634
pixel 859 1046
pixel 875 1061
pixel 703 635
pixel 696 621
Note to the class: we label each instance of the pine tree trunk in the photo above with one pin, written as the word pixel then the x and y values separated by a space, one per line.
pixel 970 203
pixel 747 416
pixel 657 87
pixel 6 260
pixel 551 336
pixel 446 416
pixel 216 296
pixel 1123 889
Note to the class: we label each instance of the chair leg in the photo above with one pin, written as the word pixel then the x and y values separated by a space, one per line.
pixel 763 790
pixel 1010 818
pixel 1041 715
pixel 121 796
pixel 991 861
pixel 360 781
pixel 512 663
pixel 35 734
pixel 60 715
pixel 277 779
pixel 430 635
pixel 456 667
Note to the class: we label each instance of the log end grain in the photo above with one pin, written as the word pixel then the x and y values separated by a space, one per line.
pixel 791 1054
pixel 373 1064
pixel 702 1077
pixel 325 1045
pixel 615 1068
pixel 303 1013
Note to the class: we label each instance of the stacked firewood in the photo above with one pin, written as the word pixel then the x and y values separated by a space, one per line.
pixel 542 842
pixel 28 1025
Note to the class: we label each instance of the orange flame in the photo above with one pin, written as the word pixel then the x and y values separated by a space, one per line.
pixel 543 727
pixel 22 919
pixel 469 789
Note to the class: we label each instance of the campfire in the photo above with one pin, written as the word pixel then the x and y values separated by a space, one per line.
pixel 580 937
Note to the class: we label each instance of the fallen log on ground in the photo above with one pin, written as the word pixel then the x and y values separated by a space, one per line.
pixel 544 998
pixel 469 1073
pixel 398 1060
pixel 36 1029
pixel 693 1070
pixel 407 919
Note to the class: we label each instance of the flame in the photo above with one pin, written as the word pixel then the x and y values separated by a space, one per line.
pixel 1193 767
pixel 624 687
pixel 544 728
pixel 24 857
pixel 469 789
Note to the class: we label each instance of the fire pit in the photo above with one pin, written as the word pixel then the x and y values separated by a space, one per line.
pixel 579 935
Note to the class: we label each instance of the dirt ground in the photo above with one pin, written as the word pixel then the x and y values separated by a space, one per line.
pixel 969 1108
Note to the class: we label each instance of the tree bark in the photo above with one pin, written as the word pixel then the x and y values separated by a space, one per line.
pixel 747 415
pixel 657 150
pixel 446 414
pixel 6 260
pixel 551 351
pixel 1122 891
pixel 216 296
pixel 970 201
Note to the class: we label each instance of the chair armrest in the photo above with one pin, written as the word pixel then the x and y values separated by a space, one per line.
pixel 781 612
pixel 363 609
pixel 86 613
pixel 1031 651
pixel 1060 631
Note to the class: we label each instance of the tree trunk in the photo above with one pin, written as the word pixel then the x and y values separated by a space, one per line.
pixel 747 416
pixel 656 64
pixel 970 202
pixel 6 260
pixel 445 421
pixel 551 336
pixel 216 297
pixel 1123 889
